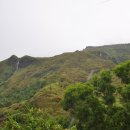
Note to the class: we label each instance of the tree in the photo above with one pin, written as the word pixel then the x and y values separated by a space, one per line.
pixel 32 119
pixel 117 118
pixel 87 108
pixel 104 88
pixel 93 104
pixel 123 72
pixel 75 93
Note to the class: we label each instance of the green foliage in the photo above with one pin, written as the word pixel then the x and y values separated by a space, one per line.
pixel 21 94
pixel 63 120
pixel 75 93
pixel 89 112
pixel 117 119
pixel 5 72
pixel 32 119
pixel 123 72
pixel 93 104
pixel 86 107
pixel 126 93
pixel 104 88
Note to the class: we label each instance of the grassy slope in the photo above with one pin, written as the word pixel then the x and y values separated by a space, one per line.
pixel 118 53
pixel 58 72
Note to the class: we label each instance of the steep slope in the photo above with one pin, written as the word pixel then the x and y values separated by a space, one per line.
pixel 7 68
pixel 42 81
pixel 62 70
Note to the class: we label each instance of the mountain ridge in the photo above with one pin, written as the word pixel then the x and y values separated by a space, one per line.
pixel 42 81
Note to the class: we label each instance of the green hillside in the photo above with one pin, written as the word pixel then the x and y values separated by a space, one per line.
pixel 64 69
pixel 41 82
pixel 117 53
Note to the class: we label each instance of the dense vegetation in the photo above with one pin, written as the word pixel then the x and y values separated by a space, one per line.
pixel 94 104
pixel 101 102
pixel 35 119
pixel 20 94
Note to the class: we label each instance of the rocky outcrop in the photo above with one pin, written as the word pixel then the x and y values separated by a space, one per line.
pixel 26 61
pixel 21 62
pixel 12 60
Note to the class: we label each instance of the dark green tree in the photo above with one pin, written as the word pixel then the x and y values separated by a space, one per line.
pixel 123 72
pixel 86 107
pixel 104 88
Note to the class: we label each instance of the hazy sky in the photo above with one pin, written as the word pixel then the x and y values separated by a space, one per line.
pixel 48 27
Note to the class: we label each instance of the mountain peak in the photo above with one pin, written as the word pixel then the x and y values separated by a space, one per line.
pixel 23 61
pixel 13 57
pixel 26 61
pixel 12 60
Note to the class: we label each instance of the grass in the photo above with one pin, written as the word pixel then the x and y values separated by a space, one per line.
pixel 58 72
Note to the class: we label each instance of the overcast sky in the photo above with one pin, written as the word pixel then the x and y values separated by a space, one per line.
pixel 49 27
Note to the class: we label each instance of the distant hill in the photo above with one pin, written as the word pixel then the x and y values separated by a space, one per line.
pixel 42 81
pixel 117 53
